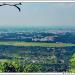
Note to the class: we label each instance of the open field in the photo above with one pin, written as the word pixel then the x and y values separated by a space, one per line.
pixel 16 43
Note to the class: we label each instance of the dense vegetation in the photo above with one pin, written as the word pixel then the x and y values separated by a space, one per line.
pixel 17 66
pixel 19 52
pixel 25 66
pixel 35 58
pixel 72 64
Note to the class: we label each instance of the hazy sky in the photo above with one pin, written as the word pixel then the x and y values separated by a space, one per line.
pixel 37 14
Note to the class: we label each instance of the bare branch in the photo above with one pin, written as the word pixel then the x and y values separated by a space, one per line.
pixel 15 5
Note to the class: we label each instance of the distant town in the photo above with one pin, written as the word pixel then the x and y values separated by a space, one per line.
pixel 57 36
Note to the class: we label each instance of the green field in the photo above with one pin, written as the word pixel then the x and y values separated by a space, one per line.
pixel 16 43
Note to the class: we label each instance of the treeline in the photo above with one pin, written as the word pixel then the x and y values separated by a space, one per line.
pixel 16 66
pixel 24 66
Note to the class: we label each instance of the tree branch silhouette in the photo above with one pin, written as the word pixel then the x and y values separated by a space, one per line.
pixel 15 5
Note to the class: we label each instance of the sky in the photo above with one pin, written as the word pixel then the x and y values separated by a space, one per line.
pixel 38 14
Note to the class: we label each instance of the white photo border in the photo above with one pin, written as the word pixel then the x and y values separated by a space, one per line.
pixel 48 73
pixel 37 1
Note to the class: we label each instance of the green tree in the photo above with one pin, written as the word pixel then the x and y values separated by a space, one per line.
pixel 72 63
pixel 11 66
pixel 33 68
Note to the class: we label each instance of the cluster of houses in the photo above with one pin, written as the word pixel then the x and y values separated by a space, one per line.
pixel 26 37
pixel 48 38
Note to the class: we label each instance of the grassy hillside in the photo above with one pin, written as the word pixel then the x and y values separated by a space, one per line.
pixel 15 43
